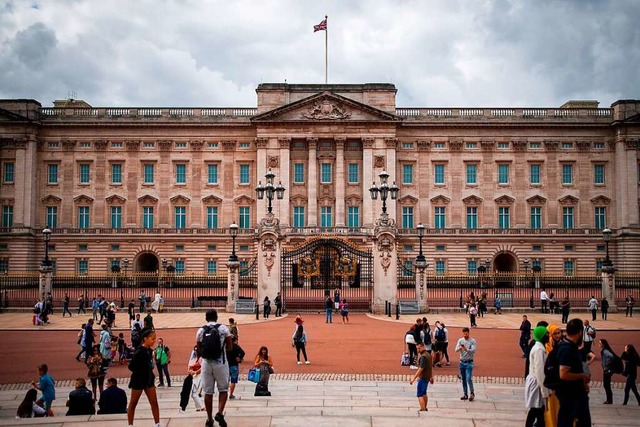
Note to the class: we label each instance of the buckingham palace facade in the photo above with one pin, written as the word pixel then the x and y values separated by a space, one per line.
pixel 492 186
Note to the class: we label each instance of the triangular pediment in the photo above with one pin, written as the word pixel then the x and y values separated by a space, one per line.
pixel 504 200
pixel 601 200
pixel 147 200
pixel 326 107
pixel 212 200
pixel 83 199
pixel 298 200
pixel 568 200
pixel 51 199
pixel 10 116
pixel 536 200
pixel 472 200
pixel 179 199
pixel 243 200
pixel 440 200
pixel 115 199
pixel 408 200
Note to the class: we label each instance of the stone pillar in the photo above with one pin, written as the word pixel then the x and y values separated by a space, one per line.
pixel 609 287
pixel 367 180
pixel 421 287
pixel 385 266
pixel 391 144
pixel 261 170
pixel 340 180
pixel 46 276
pixel 312 220
pixel 233 268
pixel 284 207
pixel 269 261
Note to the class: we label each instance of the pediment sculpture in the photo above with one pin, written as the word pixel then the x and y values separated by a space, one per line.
pixel 326 110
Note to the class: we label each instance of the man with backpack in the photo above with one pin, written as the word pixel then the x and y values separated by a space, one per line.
pixel 572 384
pixel 213 339
pixel 589 335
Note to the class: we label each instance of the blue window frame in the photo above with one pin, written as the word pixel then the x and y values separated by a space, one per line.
pixel 567 174
pixel 244 217
pixel 52 174
pixel 83 266
pixel 438 174
pixel 407 270
pixel 83 217
pixel 181 174
pixel 598 174
pixel 600 217
pixel 472 174
pixel 52 216
pixel 503 218
pixel 599 264
pixel 147 217
pixel 179 265
pixel 407 217
pixel 298 216
pixel 298 173
pixel 116 173
pixel 212 217
pixel 536 264
pixel 114 263
pixel 116 216
pixel 148 173
pixel 534 174
pixel 503 173
pixel 326 173
pixel 536 217
pixel 245 176
pixel 7 216
pixel 353 216
pixel 569 266
pixel 212 266
pixel 354 173
pixel 472 217
pixel 212 174
pixel 180 217
pixel 9 172
pixel 85 173
pixel 472 266
pixel 440 217
pixel 441 266
pixel 407 174
pixel 567 218
pixel 326 219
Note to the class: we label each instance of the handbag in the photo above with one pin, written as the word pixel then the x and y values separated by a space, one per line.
pixel 254 375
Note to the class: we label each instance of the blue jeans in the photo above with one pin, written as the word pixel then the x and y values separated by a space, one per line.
pixel 163 369
pixel 466 374
pixel 572 407
pixel 329 315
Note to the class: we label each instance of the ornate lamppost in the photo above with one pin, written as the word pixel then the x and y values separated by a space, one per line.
pixel 525 264
pixel 384 190
pixel 270 190
pixel 233 230
pixel 47 238
pixel 607 264
pixel 421 260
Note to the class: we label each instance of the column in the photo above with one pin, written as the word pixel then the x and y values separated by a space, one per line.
pixel 22 174
pixel 284 208
pixel 421 288
pixel 269 261
pixel 609 288
pixel 340 180
pixel 632 190
pixel 390 144
pixel 233 269
pixel 261 170
pixel 385 267
pixel 367 180
pixel 312 186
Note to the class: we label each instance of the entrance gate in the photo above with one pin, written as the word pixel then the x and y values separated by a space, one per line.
pixel 314 270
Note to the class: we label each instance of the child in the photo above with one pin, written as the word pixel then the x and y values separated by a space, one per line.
pixel 142 377
pixel 148 321
pixel 47 387
pixel 122 348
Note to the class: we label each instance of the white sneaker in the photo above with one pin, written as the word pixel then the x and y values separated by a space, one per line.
pixel 413 367
pixel 307 363
pixel 299 363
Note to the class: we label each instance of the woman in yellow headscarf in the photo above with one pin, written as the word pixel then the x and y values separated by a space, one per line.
pixel 553 405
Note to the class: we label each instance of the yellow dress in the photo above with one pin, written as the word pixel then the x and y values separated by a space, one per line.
pixel 551 414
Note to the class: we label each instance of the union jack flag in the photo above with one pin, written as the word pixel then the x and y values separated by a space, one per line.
pixel 321 26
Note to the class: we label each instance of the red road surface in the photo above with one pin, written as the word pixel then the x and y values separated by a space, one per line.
pixel 364 346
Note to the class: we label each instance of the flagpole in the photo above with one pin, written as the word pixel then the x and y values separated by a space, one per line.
pixel 326 51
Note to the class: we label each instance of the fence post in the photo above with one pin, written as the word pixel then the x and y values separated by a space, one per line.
pixel 193 299
pixel 121 298
pixel 6 298
pixel 397 311
pixel 461 299
pixel 386 307
pixel 257 312
pixel 389 309
pixel 531 305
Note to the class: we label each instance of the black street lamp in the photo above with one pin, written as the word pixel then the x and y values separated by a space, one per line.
pixel 421 260
pixel 165 263
pixel 47 237
pixel 526 263
pixel 607 264
pixel 125 263
pixel 270 190
pixel 384 190
pixel 233 230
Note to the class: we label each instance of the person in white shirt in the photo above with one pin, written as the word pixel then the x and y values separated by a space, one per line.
pixel 544 301
pixel 593 306
pixel 589 334
pixel 535 393
pixel 466 346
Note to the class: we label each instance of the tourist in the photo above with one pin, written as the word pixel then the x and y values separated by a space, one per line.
pixel 123 351
pixel 632 360
pixel 344 311
pixel 235 356
pixel 530 346
pixel 629 301
pixel 266 307
pixel 80 334
pixel 233 327
pixel 143 301
pixel 102 309
pixel 607 357
pixel 163 359
pixel 410 340
pixel 264 363
pixel 137 322
pixel 46 384
pixel 467 347
pixel 565 308
pixel 105 343
pixel 98 366
pixel 544 300
pixel 426 336
pixel 300 340
pixel 553 404
pixel 444 345
pixel 589 335
pixel 573 388
pixel 81 401
pixel 194 371
pixel 525 336
pixel 148 321
pixel 604 308
pixel 336 299
pixel 81 304
pixel 155 305
pixel 142 378
pixel 328 308
pixel 535 393
pixel 88 338
pixel 424 375
pixel 593 307
pixel 215 369
pixel 113 400
pixel 95 305
pixel 473 313
pixel 136 336
pixel 497 304
pixel 278 302
pixel 29 407
pixel 131 309
pixel 65 304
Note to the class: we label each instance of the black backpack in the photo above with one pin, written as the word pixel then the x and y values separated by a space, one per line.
pixel 210 346
pixel 617 366
pixel 440 335
pixel 552 370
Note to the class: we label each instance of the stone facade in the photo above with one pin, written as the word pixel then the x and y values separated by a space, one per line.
pixel 497 184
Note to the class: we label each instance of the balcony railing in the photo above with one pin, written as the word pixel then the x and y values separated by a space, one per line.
pixel 66 113
pixel 451 114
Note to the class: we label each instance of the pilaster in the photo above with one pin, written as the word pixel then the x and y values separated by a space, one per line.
pixel 269 260
pixel 391 144
pixel 233 268
pixel 385 268
pixel 261 170
pixel 340 182
pixel 367 180
pixel 312 219
pixel 283 207
pixel 421 288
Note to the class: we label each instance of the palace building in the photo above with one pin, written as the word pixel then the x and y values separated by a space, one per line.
pixel 505 188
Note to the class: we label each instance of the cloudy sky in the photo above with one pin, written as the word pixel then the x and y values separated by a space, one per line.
pixel 493 53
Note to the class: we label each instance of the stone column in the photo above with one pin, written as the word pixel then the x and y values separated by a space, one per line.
pixel 268 265
pixel 421 287
pixel 233 268
pixel 609 287
pixel 261 170
pixel 284 208
pixel 390 144
pixel 385 266
pixel 340 180
pixel 367 180
pixel 46 276
pixel 312 186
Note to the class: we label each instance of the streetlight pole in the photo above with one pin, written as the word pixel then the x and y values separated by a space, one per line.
pixel 270 190
pixel 421 260
pixel 233 230
pixel 525 264
pixel 607 264
pixel 384 191
pixel 47 237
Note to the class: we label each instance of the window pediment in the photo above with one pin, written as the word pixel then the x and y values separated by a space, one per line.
pixel 408 200
pixel 536 200
pixel 298 201
pixel 83 200
pixel 212 200
pixel 440 200
pixel 504 200
pixel 472 200
pixel 601 200
pixel 353 200
pixel 147 200
pixel 51 199
pixel 180 200
pixel 568 200
pixel 115 199
pixel 243 200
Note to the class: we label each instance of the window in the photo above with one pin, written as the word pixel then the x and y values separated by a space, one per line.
pixel 147 217
pixel 179 265
pixel 472 174
pixel 472 248
pixel 85 173
pixel 244 268
pixel 440 145
pixel 180 217
pixel 244 145
pixel 441 248
pixel 244 220
pixel 536 217
pixel 8 174
pixel 599 263
pixel 83 266
pixel 212 145
pixel 83 248
pixel 52 216
pixel 212 217
pixel 535 145
pixel 325 175
pixel 407 217
pixel 407 145
pixel 567 145
pixel 472 266
pixel 244 248
pixel 115 248
pixel 148 173
pixel 116 173
pixel 600 217
pixel 354 173
pixel 353 216
pixel 534 174
pixel 567 174
pixel 298 173
pixel 52 174
pixel 181 174
pixel 298 216
pixel 536 265
pixel 440 266
pixel 181 145
pixel 407 248
pixel 503 218
pixel 244 174
pixel 180 248
pixel 568 248
pixel 472 217
pixel 148 144
pixel 598 174
pixel 407 174
pixel 569 265
pixel 116 144
pixel 83 217
pixel 600 248
pixel 567 218
pixel 212 174
pixel 598 145
pixel 4 265
pixel 407 268
pixel 7 216
pixel 212 266
pixel 503 173
pixel 440 217
pixel 503 145
pixel 53 145
pixel 325 216
pixel 116 217
pixel 471 145
pixel 536 248
pixel 438 174
pixel 114 263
